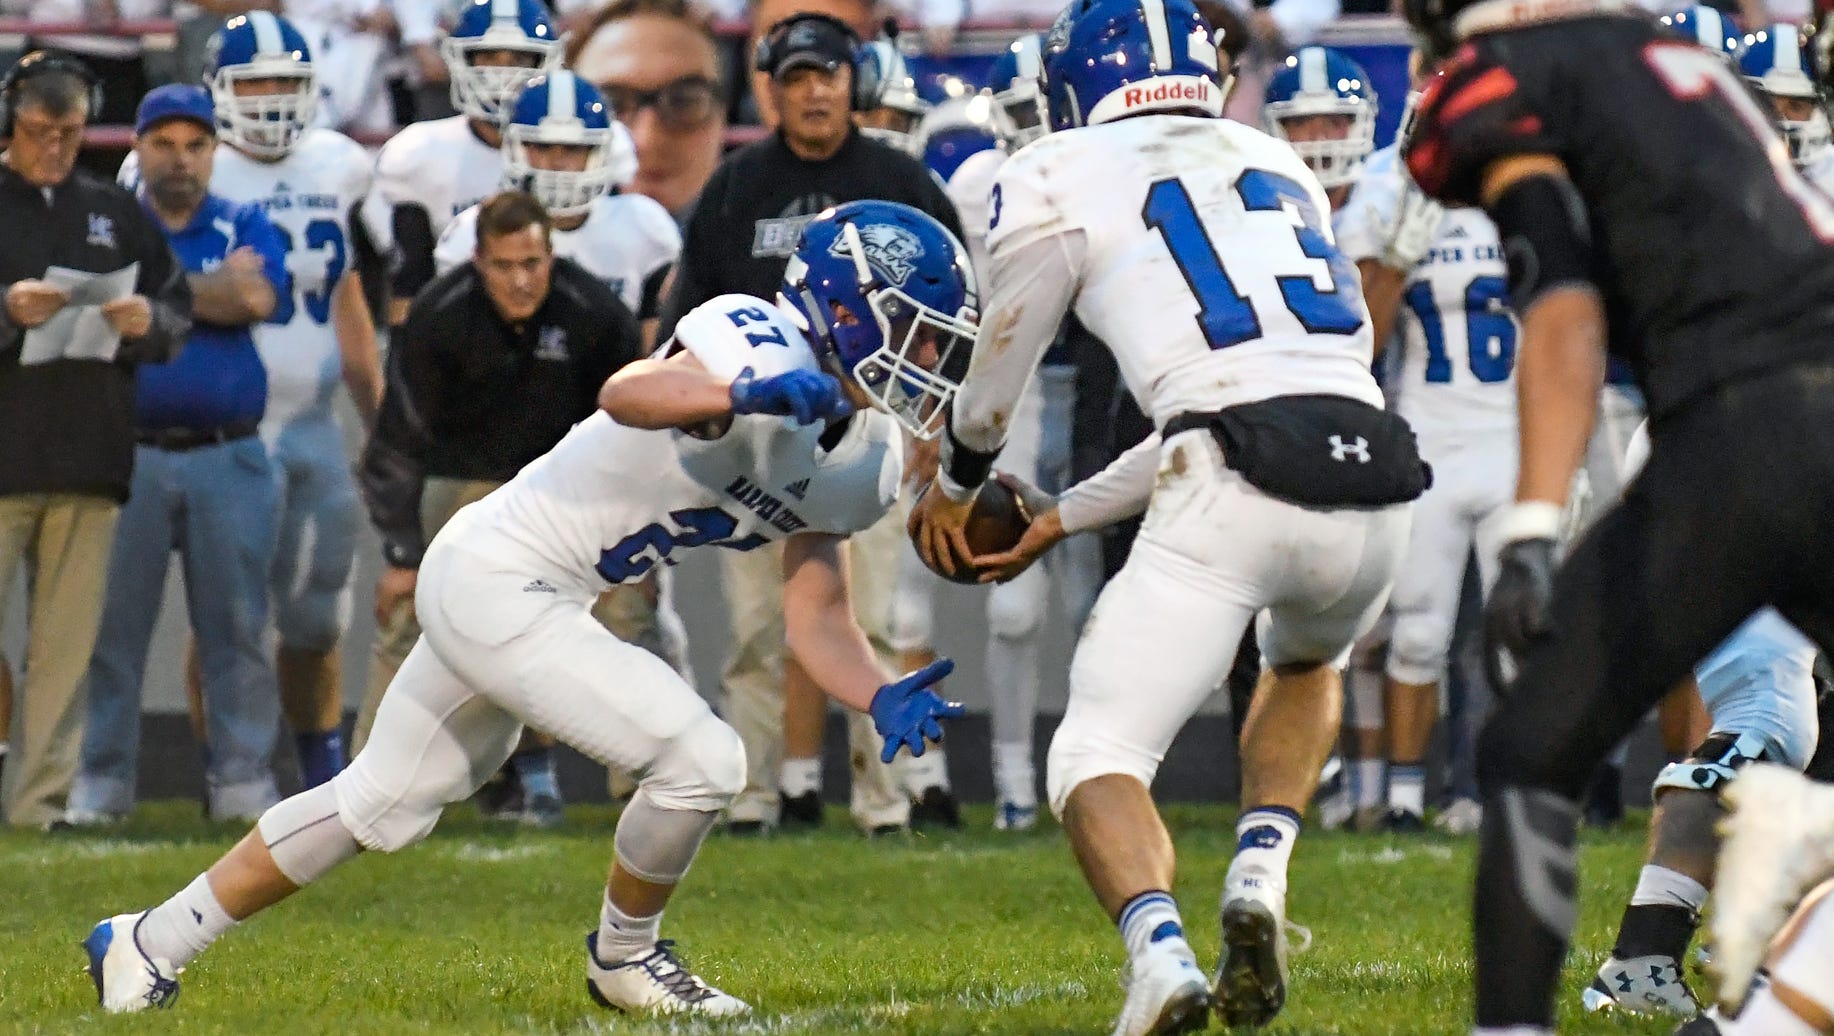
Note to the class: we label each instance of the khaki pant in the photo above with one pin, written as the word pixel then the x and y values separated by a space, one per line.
pixel 628 611
pixel 65 542
pixel 754 673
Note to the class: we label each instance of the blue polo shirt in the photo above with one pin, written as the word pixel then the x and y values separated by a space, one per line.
pixel 217 378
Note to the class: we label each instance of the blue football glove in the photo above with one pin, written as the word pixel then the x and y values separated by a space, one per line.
pixel 807 396
pixel 905 711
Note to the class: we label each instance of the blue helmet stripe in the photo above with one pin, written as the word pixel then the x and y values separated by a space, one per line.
pixel 1158 33
pixel 267 33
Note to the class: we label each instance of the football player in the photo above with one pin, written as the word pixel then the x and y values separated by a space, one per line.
pixel 1779 64
pixel 1323 103
pixel 1759 691
pixel 1198 250
pixel 695 448
pixel 562 144
pixel 901 108
pixel 1435 280
pixel 432 171
pixel 1579 128
pixel 310 182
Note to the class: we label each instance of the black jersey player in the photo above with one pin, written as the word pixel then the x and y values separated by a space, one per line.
pixel 1645 201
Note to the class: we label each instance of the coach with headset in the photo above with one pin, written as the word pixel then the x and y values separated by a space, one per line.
pixel 744 227
pixel 66 399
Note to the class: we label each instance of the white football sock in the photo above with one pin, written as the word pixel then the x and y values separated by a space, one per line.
pixel 1659 886
pixel 1264 842
pixel 1370 777
pixel 798 777
pixel 185 925
pixel 1148 918
pixel 1407 787
pixel 622 936
pixel 1014 779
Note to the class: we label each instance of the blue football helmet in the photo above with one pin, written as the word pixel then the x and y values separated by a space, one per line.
pixel 1104 59
pixel 898 93
pixel 253 48
pixel 1711 28
pixel 1321 81
pixel 562 109
pixel 1779 65
pixel 886 296
pixel 521 27
pixel 1018 108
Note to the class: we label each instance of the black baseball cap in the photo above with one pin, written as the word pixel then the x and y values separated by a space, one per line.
pixel 813 42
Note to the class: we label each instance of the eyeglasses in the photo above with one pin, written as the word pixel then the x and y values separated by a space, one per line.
pixel 685 104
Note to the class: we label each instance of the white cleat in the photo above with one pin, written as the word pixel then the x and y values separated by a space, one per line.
pixel 1166 993
pixel 1463 817
pixel 1777 842
pixel 1647 986
pixel 1251 979
pixel 654 982
pixel 126 978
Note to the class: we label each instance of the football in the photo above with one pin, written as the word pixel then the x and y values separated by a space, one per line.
pixel 996 523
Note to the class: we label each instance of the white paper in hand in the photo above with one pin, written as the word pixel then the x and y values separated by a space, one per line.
pixel 79 331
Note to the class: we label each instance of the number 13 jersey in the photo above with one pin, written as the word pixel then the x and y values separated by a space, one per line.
pixel 1207 261
pixel 616 501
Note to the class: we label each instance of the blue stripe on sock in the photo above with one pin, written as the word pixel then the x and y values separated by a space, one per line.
pixel 1144 899
pixel 1261 813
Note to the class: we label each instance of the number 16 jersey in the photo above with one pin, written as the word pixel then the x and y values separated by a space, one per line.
pixel 1207 262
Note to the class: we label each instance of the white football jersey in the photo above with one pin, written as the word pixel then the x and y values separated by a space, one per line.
pixel 1206 262
pixel 625 240
pixel 441 166
pixel 970 189
pixel 1455 329
pixel 615 500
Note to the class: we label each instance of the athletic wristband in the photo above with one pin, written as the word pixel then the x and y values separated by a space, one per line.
pixel 1531 520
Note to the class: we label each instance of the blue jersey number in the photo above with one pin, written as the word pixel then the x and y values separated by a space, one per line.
pixel 754 315
pixel 320 233
pixel 637 553
pixel 1226 316
pixel 1490 331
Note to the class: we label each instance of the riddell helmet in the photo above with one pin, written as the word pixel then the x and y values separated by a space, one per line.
pixel 253 47
pixel 1104 59
pixel 904 283
pixel 561 108
pixel 520 26
pixel 1322 81
pixel 1018 108
pixel 897 91
pixel 1778 63
pixel 1709 27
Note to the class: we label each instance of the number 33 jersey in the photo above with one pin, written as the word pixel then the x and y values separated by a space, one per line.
pixel 1207 262
pixel 617 501
pixel 1714 257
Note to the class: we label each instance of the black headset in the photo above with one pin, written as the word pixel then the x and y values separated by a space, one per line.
pixel 868 78
pixel 41 63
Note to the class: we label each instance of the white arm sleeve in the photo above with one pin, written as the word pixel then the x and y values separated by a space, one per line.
pixel 1115 493
pixel 1032 285
pixel 1300 20
pixel 419 21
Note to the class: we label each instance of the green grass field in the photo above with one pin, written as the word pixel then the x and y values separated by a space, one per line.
pixel 481 930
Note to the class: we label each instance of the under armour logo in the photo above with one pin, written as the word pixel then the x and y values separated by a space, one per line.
pixel 1266 836
pixel 1341 450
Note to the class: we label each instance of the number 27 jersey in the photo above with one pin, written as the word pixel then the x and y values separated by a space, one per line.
pixel 617 501
pixel 1208 266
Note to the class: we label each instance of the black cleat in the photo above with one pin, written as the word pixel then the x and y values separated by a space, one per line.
pixel 936 807
pixel 804 811
pixel 1399 821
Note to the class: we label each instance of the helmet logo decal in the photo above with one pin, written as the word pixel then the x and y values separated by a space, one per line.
pixel 890 249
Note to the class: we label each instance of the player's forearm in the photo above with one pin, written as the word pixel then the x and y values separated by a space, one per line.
pixel 830 646
pixel 230 299
pixel 1115 493
pixel 1382 287
pixel 359 353
pixel 657 393
pixel 1559 370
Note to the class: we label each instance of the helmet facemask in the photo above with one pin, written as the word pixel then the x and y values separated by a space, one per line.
pixel 1018 114
pixel 563 192
pixel 484 91
pixel 266 125
pixel 1337 161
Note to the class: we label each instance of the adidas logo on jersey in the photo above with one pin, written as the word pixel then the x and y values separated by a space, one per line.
pixel 798 488
pixel 539 586
pixel 1457 231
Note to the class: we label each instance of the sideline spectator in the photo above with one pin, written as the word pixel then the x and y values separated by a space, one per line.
pixel 202 486
pixel 658 65
pixel 118 61
pixel 65 422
